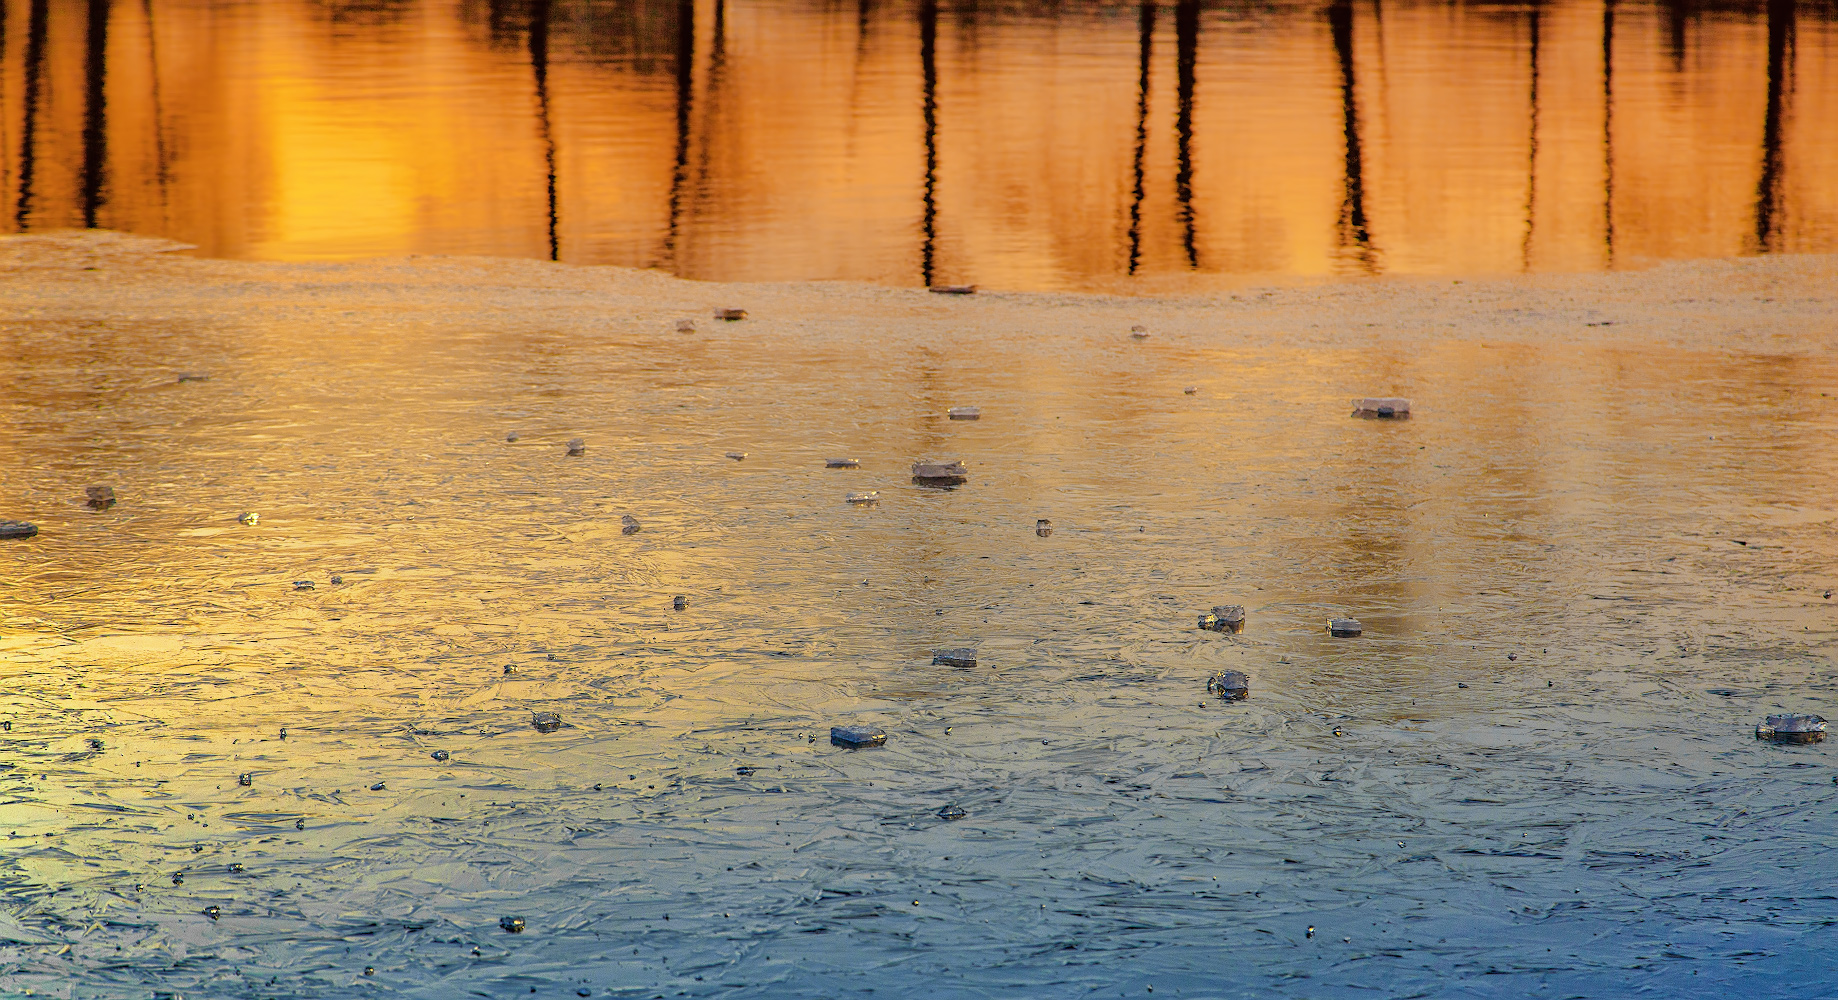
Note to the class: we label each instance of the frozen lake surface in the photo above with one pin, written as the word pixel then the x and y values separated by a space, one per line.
pixel 1586 566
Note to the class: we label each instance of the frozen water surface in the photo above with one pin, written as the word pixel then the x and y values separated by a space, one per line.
pixel 1649 532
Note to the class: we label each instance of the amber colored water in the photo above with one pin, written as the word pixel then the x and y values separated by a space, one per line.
pixel 1075 145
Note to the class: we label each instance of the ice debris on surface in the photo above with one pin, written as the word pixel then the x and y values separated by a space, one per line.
pixel 856 737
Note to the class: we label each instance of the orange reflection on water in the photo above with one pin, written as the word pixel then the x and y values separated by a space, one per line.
pixel 1093 146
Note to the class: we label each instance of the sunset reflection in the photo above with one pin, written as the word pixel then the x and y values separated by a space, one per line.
pixel 1097 146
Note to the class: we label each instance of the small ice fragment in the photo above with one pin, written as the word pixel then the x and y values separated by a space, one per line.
pixel 866 496
pixel 952 811
pixel 100 497
pixel 546 722
pixel 1224 618
pixel 737 455
pixel 1381 406
pixel 686 326
pixel 953 289
pixel 378 787
pixel 940 471
pixel 577 446
pixel 1139 331
pixel 245 780
pixel 961 657
pixel 842 463
pixel 17 529
pixel 303 585
pixel 1043 527
pixel 628 525
pixel 249 518
pixel 731 315
pixel 1792 729
pixel 1232 685
pixel 1343 627
pixel 965 413
pixel 512 924
pixel 856 737
pixel 441 755
pixel 679 602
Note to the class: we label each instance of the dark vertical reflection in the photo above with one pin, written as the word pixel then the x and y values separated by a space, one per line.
pixel 1780 91
pixel 163 162
pixel 928 68
pixel 1186 50
pixel 685 100
pixel 713 92
pixel 36 25
pixel 1608 131
pixel 1678 19
pixel 539 64
pixel 1145 34
pixel 5 169
pixel 1531 157
pixel 1353 234
pixel 95 110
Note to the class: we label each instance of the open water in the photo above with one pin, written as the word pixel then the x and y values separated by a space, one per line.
pixel 1132 146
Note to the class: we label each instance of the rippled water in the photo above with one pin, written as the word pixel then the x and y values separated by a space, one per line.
pixel 1585 568
pixel 1083 145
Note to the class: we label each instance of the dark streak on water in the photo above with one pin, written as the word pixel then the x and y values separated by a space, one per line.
pixel 928 104
pixel 539 66
pixel 95 110
pixel 1608 133
pixel 34 83
pixel 1146 44
pixel 1780 93
pixel 1354 236
pixel 1186 54
pixel 1531 153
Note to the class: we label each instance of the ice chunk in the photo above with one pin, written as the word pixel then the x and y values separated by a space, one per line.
pixel 1232 685
pixel 1224 618
pixel 856 737
pixel 1792 729
pixel 938 471
pixel 1381 406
